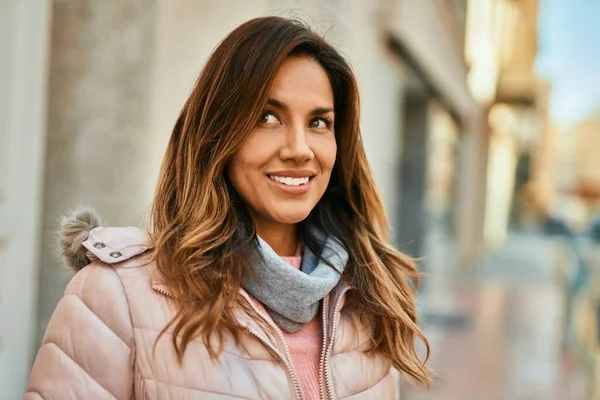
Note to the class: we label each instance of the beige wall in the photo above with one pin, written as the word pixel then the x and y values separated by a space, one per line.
pixel 382 82
pixel 186 31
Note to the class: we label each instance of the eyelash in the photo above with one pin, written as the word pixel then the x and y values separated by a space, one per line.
pixel 326 119
pixel 266 113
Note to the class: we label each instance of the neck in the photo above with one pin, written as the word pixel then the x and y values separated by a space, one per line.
pixel 283 238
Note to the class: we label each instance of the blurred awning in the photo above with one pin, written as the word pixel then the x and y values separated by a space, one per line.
pixel 588 189
pixel 518 89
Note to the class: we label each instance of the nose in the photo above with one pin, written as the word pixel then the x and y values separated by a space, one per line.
pixel 296 147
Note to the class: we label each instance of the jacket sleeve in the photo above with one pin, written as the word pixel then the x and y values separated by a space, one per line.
pixel 88 348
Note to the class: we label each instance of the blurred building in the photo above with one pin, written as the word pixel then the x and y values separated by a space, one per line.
pixel 502 40
pixel 91 89
pixel 541 192
pixel 585 167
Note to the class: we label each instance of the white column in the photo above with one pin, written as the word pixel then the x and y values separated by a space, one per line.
pixel 98 123
pixel 24 28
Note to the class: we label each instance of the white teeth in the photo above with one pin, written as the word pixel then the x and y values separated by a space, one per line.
pixel 290 181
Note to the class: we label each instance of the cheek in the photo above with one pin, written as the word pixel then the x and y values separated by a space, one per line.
pixel 233 173
pixel 246 160
pixel 326 153
pixel 244 169
pixel 257 150
pixel 238 171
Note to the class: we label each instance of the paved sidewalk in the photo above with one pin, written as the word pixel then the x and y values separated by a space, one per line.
pixel 508 348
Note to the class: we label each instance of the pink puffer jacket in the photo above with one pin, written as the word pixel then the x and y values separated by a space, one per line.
pixel 99 343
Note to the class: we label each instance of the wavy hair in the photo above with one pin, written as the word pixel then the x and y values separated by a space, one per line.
pixel 203 230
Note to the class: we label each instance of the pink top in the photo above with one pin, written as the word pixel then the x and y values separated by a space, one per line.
pixel 305 348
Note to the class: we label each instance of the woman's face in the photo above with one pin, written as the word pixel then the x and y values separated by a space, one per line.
pixel 283 167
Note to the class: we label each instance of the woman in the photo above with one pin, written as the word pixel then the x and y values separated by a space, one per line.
pixel 267 273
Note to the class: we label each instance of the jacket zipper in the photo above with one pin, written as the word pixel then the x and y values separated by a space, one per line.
pixel 323 351
pixel 285 357
pixel 162 291
pixel 327 354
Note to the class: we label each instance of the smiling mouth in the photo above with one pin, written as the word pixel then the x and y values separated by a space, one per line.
pixel 288 181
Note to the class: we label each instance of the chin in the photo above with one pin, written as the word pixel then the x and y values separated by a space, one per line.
pixel 291 217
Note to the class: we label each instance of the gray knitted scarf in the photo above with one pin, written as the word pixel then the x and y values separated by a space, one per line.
pixel 291 296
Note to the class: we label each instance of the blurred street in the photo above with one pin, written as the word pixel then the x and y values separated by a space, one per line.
pixel 508 347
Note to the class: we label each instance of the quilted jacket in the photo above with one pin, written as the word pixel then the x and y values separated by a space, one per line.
pixel 99 342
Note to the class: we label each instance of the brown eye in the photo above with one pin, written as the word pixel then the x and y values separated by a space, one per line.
pixel 268 118
pixel 320 123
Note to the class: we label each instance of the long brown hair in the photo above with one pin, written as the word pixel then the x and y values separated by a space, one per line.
pixel 203 229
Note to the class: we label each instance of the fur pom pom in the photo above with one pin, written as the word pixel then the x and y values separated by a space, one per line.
pixel 74 229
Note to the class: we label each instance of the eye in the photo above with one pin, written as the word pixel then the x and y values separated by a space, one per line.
pixel 320 123
pixel 269 118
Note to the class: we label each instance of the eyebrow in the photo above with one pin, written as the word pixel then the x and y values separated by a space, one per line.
pixel 284 107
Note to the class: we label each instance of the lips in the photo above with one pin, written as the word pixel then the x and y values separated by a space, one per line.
pixel 290 181
pixel 292 177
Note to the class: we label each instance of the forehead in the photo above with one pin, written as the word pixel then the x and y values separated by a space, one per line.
pixel 302 80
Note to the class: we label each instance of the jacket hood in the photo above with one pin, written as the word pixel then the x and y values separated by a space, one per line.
pixel 74 229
